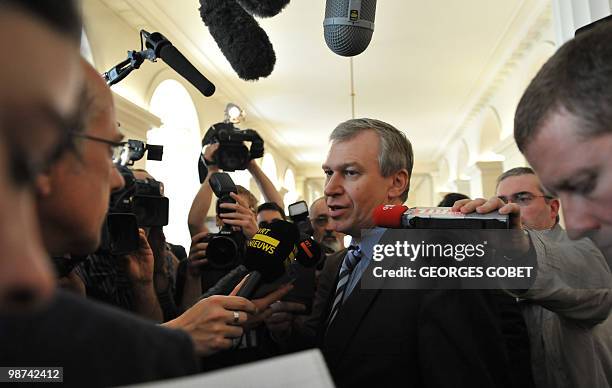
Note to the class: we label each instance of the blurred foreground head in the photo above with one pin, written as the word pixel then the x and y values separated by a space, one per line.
pixel 40 83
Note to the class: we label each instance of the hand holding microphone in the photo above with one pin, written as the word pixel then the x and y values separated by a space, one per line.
pixel 213 322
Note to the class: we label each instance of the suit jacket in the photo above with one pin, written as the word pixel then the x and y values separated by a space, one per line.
pixel 416 338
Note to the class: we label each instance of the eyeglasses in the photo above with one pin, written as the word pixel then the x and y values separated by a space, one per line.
pixel 321 220
pixel 120 151
pixel 522 199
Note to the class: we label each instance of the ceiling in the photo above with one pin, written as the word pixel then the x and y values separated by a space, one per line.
pixel 426 67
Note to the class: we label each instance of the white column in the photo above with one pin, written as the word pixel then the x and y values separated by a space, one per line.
pixel 489 171
pixel 463 186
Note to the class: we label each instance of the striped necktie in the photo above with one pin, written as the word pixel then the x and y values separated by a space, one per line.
pixel 350 262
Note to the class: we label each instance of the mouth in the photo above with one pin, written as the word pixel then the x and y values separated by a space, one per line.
pixel 336 211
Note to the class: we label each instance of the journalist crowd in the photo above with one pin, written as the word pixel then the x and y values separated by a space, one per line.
pixel 89 283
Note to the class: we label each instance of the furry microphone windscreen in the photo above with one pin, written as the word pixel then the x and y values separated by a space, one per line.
pixel 242 41
pixel 263 8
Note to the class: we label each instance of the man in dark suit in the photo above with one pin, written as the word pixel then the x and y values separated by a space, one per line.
pixel 381 337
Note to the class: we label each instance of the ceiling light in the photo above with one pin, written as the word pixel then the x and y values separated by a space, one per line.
pixel 233 113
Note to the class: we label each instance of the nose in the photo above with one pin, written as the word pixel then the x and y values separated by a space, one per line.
pixel 579 218
pixel 333 185
pixel 26 277
pixel 116 180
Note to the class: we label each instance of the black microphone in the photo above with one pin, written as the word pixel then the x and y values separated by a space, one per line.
pixel 165 50
pixel 348 25
pixel 226 284
pixel 242 41
pixel 263 8
pixel 308 252
pixel 268 254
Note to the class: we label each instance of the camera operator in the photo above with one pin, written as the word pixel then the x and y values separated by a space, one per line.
pixel 141 281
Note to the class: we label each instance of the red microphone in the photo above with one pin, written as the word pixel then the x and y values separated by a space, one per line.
pixel 400 216
pixel 389 216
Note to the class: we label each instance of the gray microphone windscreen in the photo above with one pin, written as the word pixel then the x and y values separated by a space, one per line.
pixel 348 25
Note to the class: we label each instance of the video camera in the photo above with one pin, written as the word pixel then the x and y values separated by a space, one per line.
pixel 227 247
pixel 140 203
pixel 232 154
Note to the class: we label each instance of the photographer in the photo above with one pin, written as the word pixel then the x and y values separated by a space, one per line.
pixel 198 277
pixel 141 281
pixel 195 275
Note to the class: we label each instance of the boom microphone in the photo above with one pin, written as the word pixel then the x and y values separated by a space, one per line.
pixel 263 8
pixel 348 25
pixel 168 53
pixel 244 44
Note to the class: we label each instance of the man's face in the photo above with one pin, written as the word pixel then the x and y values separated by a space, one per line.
pixel 268 216
pixel 538 211
pixel 40 83
pixel 81 182
pixel 579 171
pixel 324 227
pixel 354 185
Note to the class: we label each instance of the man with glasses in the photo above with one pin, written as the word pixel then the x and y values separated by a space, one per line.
pixel 520 185
pixel 566 310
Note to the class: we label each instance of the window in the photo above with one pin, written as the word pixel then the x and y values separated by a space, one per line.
pixel 180 136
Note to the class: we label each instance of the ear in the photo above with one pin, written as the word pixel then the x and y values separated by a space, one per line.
pixel 554 207
pixel 399 184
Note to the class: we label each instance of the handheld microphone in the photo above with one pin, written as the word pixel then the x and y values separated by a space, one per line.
pixel 168 53
pixel 267 254
pixel 226 284
pixel 389 216
pixel 402 217
pixel 263 8
pixel 242 41
pixel 308 252
pixel 348 25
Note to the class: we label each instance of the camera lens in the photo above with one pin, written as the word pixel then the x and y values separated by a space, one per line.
pixel 222 252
